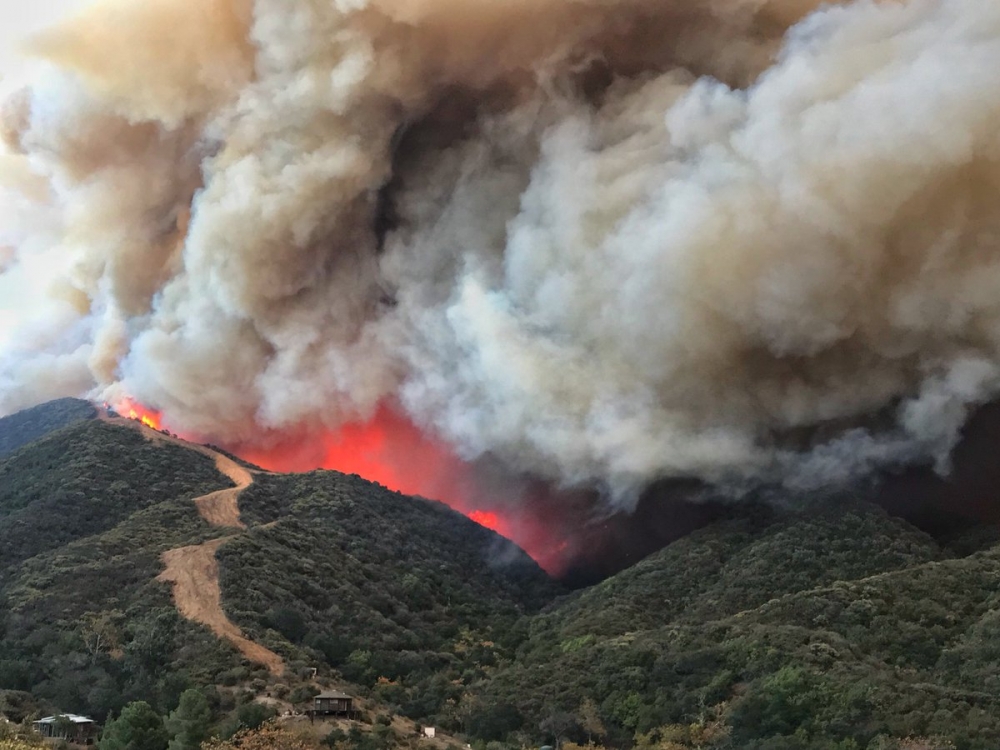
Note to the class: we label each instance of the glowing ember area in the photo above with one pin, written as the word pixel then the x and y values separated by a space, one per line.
pixel 134 410
pixel 146 420
pixel 486 518
pixel 391 450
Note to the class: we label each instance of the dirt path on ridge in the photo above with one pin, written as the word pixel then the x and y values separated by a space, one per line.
pixel 219 508
pixel 194 571
pixel 222 508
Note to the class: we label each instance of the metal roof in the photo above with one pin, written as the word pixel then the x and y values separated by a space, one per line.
pixel 71 717
pixel 334 695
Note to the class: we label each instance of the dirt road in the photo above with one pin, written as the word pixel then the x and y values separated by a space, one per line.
pixel 218 508
pixel 222 508
pixel 194 571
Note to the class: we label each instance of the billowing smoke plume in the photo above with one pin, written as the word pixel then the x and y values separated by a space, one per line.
pixel 601 242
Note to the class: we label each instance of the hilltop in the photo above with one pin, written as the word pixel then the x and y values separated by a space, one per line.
pixel 31 424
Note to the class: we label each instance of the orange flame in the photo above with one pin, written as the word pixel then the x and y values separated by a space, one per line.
pixel 486 518
pixel 136 411
pixel 390 450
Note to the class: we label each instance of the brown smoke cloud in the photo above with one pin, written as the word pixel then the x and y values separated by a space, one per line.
pixel 601 241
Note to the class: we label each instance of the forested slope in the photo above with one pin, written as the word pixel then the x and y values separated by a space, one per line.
pixel 401 595
pixel 362 583
pixel 29 425
pixel 826 629
pixel 85 513
pixel 834 626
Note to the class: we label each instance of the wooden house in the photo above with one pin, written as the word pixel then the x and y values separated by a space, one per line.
pixel 76 730
pixel 333 703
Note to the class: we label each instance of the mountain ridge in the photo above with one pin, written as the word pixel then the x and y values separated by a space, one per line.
pixel 24 427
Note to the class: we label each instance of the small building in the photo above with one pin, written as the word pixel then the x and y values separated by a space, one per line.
pixel 77 730
pixel 333 703
pixel 430 732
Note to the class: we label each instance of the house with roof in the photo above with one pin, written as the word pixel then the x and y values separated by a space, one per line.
pixel 77 730
pixel 333 703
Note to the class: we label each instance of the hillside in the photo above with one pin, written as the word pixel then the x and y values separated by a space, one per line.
pixel 31 424
pixel 134 565
pixel 819 630
pixel 88 621
pixel 85 514
pixel 403 596
pixel 87 479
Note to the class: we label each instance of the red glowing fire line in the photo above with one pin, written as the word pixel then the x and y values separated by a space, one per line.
pixel 486 518
pixel 392 451
pixel 136 411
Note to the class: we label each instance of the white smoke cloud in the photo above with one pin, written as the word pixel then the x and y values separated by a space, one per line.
pixel 623 239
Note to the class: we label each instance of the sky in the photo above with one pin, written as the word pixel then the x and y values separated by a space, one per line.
pixel 19 18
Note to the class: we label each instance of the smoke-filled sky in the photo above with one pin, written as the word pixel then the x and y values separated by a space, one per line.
pixel 20 19
pixel 596 242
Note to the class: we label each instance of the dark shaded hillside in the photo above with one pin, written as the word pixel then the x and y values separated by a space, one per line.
pixel 399 594
pixel 86 479
pixel 740 564
pixel 671 508
pixel 31 424
pixel 84 515
pixel 816 631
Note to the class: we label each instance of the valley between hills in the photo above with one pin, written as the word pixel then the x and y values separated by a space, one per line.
pixel 136 569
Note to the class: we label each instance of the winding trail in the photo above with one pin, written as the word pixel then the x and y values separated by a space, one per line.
pixel 222 508
pixel 194 571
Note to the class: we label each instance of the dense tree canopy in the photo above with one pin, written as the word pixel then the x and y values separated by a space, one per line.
pixel 31 424
pixel 189 724
pixel 138 727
